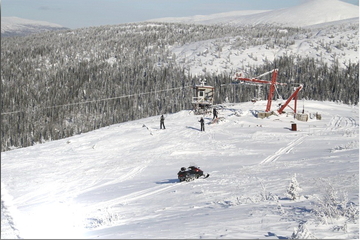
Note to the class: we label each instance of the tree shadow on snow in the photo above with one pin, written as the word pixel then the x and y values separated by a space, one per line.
pixel 270 234
pixel 168 181
pixel 285 198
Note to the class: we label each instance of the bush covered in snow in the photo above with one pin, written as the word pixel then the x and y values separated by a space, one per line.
pixel 334 204
pixel 301 232
pixel 294 189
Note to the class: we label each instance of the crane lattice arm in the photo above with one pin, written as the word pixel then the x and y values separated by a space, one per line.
pixel 272 83
pixel 272 89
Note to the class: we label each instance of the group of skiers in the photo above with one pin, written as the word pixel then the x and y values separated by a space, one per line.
pixel 202 122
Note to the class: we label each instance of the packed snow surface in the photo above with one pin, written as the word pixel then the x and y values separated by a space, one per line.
pixel 121 181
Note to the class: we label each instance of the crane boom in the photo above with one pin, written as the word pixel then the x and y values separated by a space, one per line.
pixel 272 89
pixel 272 83
pixel 293 96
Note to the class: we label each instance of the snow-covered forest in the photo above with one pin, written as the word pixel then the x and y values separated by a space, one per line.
pixel 58 84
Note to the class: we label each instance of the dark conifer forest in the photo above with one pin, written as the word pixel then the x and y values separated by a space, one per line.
pixel 58 84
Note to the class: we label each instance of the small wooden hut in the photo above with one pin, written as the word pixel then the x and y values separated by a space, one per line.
pixel 203 100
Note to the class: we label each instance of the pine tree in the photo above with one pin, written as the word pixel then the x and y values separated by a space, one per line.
pixel 294 189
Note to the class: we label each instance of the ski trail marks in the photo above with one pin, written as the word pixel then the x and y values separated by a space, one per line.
pixel 82 188
pixel 124 177
pixel 284 150
pixel 339 122
pixel 134 196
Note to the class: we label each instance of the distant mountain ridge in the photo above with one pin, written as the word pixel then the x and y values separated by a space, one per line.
pixel 309 13
pixel 14 26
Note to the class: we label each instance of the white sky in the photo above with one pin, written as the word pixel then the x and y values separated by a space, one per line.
pixel 85 13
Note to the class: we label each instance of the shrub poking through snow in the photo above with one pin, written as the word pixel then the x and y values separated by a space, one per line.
pixel 265 195
pixel 102 218
pixel 334 206
pixel 301 232
pixel 294 189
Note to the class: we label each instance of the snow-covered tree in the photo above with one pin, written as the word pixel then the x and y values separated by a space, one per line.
pixel 293 191
pixel 301 232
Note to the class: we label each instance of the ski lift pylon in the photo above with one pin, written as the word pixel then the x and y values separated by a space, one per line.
pixel 273 83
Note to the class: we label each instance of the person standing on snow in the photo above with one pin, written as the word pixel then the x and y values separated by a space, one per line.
pixel 215 114
pixel 162 119
pixel 202 124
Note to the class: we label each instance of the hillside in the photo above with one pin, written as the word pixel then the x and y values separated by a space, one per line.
pixel 75 81
pixel 308 13
pixel 328 43
pixel 266 181
pixel 15 26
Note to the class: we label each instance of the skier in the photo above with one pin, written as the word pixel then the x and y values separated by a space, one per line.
pixel 162 119
pixel 202 124
pixel 215 114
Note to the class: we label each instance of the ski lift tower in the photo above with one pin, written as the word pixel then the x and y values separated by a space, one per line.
pixel 272 83
pixel 203 100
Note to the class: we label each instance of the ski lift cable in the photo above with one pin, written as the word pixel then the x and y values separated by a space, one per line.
pixel 278 92
pixel 98 100
pixel 265 74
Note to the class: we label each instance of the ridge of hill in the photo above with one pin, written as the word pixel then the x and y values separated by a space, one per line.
pixel 15 26
pixel 306 14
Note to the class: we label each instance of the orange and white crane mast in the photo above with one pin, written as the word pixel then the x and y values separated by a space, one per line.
pixel 273 83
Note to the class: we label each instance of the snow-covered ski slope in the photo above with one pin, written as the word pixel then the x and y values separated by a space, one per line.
pixel 121 181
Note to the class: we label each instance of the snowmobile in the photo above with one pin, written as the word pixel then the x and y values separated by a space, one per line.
pixel 191 173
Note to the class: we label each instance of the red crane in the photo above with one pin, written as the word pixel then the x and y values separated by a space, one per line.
pixel 272 89
pixel 292 97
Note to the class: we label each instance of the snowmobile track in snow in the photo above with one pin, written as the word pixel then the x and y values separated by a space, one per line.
pixel 284 150
pixel 136 195
pixel 338 122
pixel 126 176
